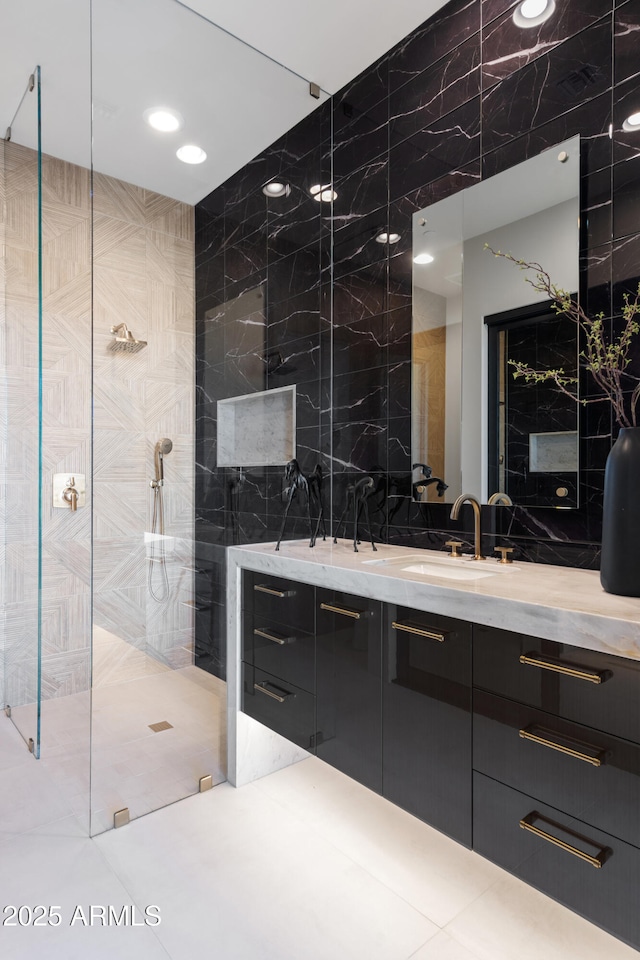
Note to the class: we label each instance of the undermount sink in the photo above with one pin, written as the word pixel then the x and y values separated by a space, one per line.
pixel 445 567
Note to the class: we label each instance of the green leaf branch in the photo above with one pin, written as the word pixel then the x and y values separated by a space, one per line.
pixel 604 356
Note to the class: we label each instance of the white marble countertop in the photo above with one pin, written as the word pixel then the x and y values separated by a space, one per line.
pixel 556 603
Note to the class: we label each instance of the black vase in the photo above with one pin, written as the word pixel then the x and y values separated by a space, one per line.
pixel 620 561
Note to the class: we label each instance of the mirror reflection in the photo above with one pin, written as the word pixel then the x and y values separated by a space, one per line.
pixel 474 428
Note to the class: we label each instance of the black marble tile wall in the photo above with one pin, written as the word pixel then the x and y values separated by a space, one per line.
pixel 465 96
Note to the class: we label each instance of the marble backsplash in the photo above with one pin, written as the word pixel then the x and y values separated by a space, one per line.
pixel 462 98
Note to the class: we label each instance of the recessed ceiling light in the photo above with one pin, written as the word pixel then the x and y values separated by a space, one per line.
pixel 191 154
pixel 423 258
pixel 276 189
pixel 388 237
pixel 531 13
pixel 323 192
pixel 632 123
pixel 163 119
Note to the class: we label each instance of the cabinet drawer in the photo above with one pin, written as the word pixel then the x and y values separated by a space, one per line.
pixel 591 688
pixel 285 653
pixel 280 600
pixel 606 895
pixel 280 706
pixel 591 775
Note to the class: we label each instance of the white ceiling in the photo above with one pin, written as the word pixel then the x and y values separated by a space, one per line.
pixel 145 53
pixel 329 43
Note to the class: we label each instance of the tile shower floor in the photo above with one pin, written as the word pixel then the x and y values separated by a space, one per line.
pixel 304 864
pixel 130 765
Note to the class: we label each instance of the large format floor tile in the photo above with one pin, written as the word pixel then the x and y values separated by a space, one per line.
pixel 62 872
pixel 302 865
pixel 241 874
pixel 387 842
pixel 514 920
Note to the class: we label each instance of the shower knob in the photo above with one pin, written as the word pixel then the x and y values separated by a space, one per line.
pixel 69 491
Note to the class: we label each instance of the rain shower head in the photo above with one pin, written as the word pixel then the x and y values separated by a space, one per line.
pixel 125 340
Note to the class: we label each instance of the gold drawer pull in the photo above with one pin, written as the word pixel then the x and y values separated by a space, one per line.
pixel 593 676
pixel 261 588
pixel 419 631
pixel 354 614
pixel 596 761
pixel 270 636
pixel 527 824
pixel 262 688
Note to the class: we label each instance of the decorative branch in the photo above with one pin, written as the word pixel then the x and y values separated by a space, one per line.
pixel 605 359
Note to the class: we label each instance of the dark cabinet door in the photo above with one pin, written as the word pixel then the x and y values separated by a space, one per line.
pixel 348 685
pixel 426 708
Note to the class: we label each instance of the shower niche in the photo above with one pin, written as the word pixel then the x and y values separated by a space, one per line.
pixel 257 430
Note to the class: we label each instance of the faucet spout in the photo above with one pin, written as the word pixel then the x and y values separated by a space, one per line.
pixel 500 498
pixel 455 510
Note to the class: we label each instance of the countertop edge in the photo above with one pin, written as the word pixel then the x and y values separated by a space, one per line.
pixel 586 629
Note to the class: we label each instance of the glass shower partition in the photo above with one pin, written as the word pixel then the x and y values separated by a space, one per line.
pixel 21 436
pixel 159 691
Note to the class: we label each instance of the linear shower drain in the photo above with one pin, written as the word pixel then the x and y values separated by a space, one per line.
pixel 163 725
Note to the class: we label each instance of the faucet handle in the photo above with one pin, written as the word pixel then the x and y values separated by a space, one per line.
pixel 455 547
pixel 504 554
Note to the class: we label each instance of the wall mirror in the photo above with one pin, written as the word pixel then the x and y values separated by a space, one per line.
pixel 472 425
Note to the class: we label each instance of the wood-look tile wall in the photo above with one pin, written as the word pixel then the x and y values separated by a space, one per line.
pixel 142 275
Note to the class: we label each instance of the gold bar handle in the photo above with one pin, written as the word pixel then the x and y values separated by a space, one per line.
pixel 354 614
pixel 533 660
pixel 262 688
pixel 270 636
pixel 261 588
pixel 528 734
pixel 419 631
pixel 527 824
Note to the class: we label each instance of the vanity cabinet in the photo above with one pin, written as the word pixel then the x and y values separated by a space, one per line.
pixel 426 708
pixel 349 685
pixel 556 759
pixel 526 750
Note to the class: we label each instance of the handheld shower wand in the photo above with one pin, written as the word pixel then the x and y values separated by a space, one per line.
pixel 157 556
pixel 163 447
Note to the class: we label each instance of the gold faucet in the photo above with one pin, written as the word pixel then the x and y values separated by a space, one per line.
pixel 500 498
pixel 455 510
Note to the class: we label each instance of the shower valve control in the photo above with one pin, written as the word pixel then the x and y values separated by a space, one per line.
pixel 69 491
